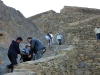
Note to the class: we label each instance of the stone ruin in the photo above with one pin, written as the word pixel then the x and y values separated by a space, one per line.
pixel 80 52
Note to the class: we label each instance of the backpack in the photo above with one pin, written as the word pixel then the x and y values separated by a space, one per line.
pixel 25 51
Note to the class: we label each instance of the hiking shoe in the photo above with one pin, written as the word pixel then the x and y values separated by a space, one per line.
pixel 7 69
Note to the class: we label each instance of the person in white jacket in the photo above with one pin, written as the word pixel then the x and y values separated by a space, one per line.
pixel 97 32
pixel 52 41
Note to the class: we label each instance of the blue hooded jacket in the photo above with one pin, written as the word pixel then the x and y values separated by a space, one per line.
pixel 14 49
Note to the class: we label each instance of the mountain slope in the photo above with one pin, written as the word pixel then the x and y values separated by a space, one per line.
pixel 14 24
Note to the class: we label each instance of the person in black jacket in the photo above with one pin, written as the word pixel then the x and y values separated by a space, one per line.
pixel 13 51
pixel 37 47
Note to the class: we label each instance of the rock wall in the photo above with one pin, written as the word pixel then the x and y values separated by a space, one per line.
pixel 70 9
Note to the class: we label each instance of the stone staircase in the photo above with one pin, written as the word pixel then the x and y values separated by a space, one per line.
pixel 54 50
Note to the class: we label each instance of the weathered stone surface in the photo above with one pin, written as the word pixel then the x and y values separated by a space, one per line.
pixel 21 73
pixel 79 72
pixel 82 65
pixel 55 65
pixel 70 9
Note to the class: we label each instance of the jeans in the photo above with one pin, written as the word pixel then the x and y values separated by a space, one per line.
pixel 98 36
pixel 13 61
pixel 59 41
pixel 39 53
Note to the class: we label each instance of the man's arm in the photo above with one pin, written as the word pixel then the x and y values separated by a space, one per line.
pixel 32 46
pixel 17 48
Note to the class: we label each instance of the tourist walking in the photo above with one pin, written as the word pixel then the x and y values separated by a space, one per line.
pixel 52 41
pixel 59 38
pixel 48 38
pixel 97 32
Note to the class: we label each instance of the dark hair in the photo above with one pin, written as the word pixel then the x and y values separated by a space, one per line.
pixel 29 38
pixel 19 38
pixel 27 46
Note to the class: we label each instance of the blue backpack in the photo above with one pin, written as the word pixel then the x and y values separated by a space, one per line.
pixel 25 51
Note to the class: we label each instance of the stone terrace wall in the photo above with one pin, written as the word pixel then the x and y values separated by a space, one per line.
pixel 70 9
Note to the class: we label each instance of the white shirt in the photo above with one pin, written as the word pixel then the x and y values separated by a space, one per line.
pixel 97 30
pixel 51 35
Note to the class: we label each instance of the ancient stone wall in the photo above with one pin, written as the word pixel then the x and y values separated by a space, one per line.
pixel 70 9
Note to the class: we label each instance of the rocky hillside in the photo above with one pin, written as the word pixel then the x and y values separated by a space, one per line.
pixel 79 54
pixel 14 24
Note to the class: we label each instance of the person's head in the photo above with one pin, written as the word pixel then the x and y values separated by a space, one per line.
pixel 97 25
pixel 57 33
pixel 19 40
pixel 29 39
pixel 28 46
pixel 50 32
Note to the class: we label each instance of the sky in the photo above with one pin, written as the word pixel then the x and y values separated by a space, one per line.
pixel 32 7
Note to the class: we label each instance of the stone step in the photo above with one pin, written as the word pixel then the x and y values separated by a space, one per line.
pixel 94 52
pixel 89 54
pixel 97 60
pixel 21 73
pixel 96 65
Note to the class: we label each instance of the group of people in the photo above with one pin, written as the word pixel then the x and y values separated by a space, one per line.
pixel 50 39
pixel 35 47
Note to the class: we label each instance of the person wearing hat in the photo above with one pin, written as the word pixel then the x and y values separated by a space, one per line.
pixel 13 51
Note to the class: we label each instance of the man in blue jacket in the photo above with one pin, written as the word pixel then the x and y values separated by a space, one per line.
pixel 13 51
pixel 37 47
